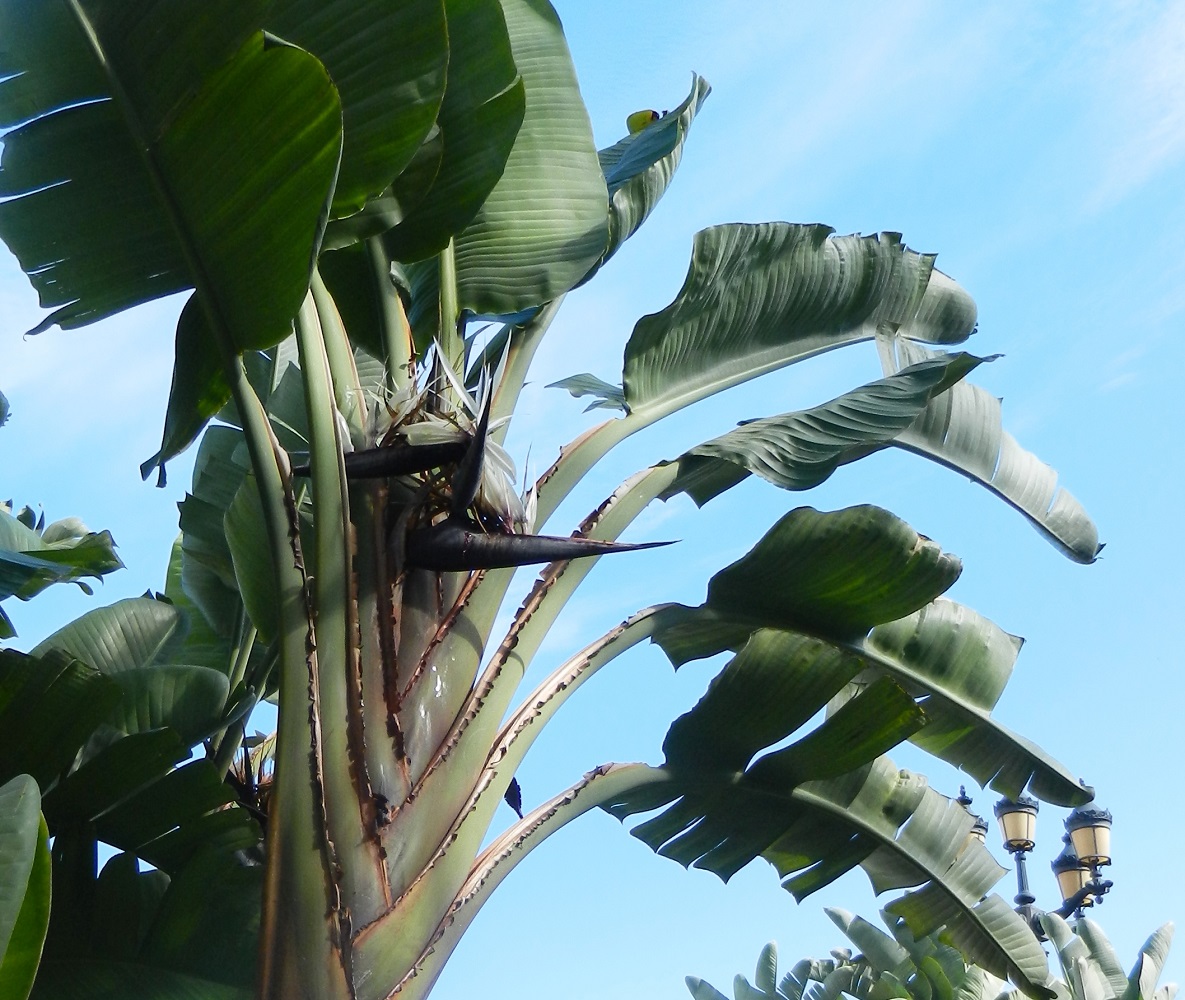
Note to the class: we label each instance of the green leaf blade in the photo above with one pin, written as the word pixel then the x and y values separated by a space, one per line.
pixel 545 223
pixel 24 883
pixel 758 297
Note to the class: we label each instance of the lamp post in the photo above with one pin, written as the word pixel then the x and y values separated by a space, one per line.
pixel 1087 848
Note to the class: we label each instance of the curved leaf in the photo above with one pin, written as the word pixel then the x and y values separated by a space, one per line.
pixel 878 949
pixel 24 884
pixel 605 395
pixel 930 848
pixel 835 574
pixel 1154 953
pixel 799 450
pixel 701 990
pixel 639 168
pixel 545 223
pixel 101 979
pixel 31 560
pixel 388 63
pixel 482 113
pixel 133 119
pixel 964 429
pixel 758 297
pixel 49 706
pixel 123 636
pixel 249 551
pixel 21 959
pixel 187 699
pixel 1103 953
pixel 961 661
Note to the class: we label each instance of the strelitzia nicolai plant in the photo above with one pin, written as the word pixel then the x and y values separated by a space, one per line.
pixel 901 965
pixel 341 217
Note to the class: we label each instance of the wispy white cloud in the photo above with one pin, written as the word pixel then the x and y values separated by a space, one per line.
pixel 1139 98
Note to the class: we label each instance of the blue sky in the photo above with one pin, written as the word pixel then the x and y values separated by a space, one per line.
pixel 1040 150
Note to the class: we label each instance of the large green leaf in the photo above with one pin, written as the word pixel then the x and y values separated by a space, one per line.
pixel 731 810
pixel 187 698
pixel 879 949
pixel 126 903
pixel 833 573
pixel 963 429
pixel 799 450
pixel 930 851
pixel 124 636
pixel 758 297
pixel 208 921
pixel 111 775
pixel 128 176
pixel 49 706
pixel 124 641
pixel 961 661
pixel 201 645
pixel 1141 984
pixel 482 112
pixel 24 885
pixel 388 62
pixel 64 551
pixel 101 979
pixel 639 168
pixel 248 542
pixel 162 148
pixel 545 223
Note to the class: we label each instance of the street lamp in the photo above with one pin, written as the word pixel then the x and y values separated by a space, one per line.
pixel 1087 849
pixel 979 828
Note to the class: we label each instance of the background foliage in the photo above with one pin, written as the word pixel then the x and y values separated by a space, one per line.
pixel 1000 151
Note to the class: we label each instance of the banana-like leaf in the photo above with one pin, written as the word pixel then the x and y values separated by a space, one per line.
pixel 63 552
pixel 480 117
pixel 1141 983
pixel 879 949
pixel 389 103
pixel 639 168
pixel 731 810
pixel 125 641
pixel 903 833
pixel 799 450
pixel 126 903
pixel 187 698
pixel 931 851
pixel 201 645
pixel 835 574
pixel 133 120
pixel 24 885
pixel 758 297
pixel 1103 953
pixel 605 395
pixel 49 706
pixel 701 990
pixel 961 661
pixel 126 635
pixel 207 921
pixel 248 544
pixel 101 979
pixel 942 652
pixel 545 223
pixel 964 429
